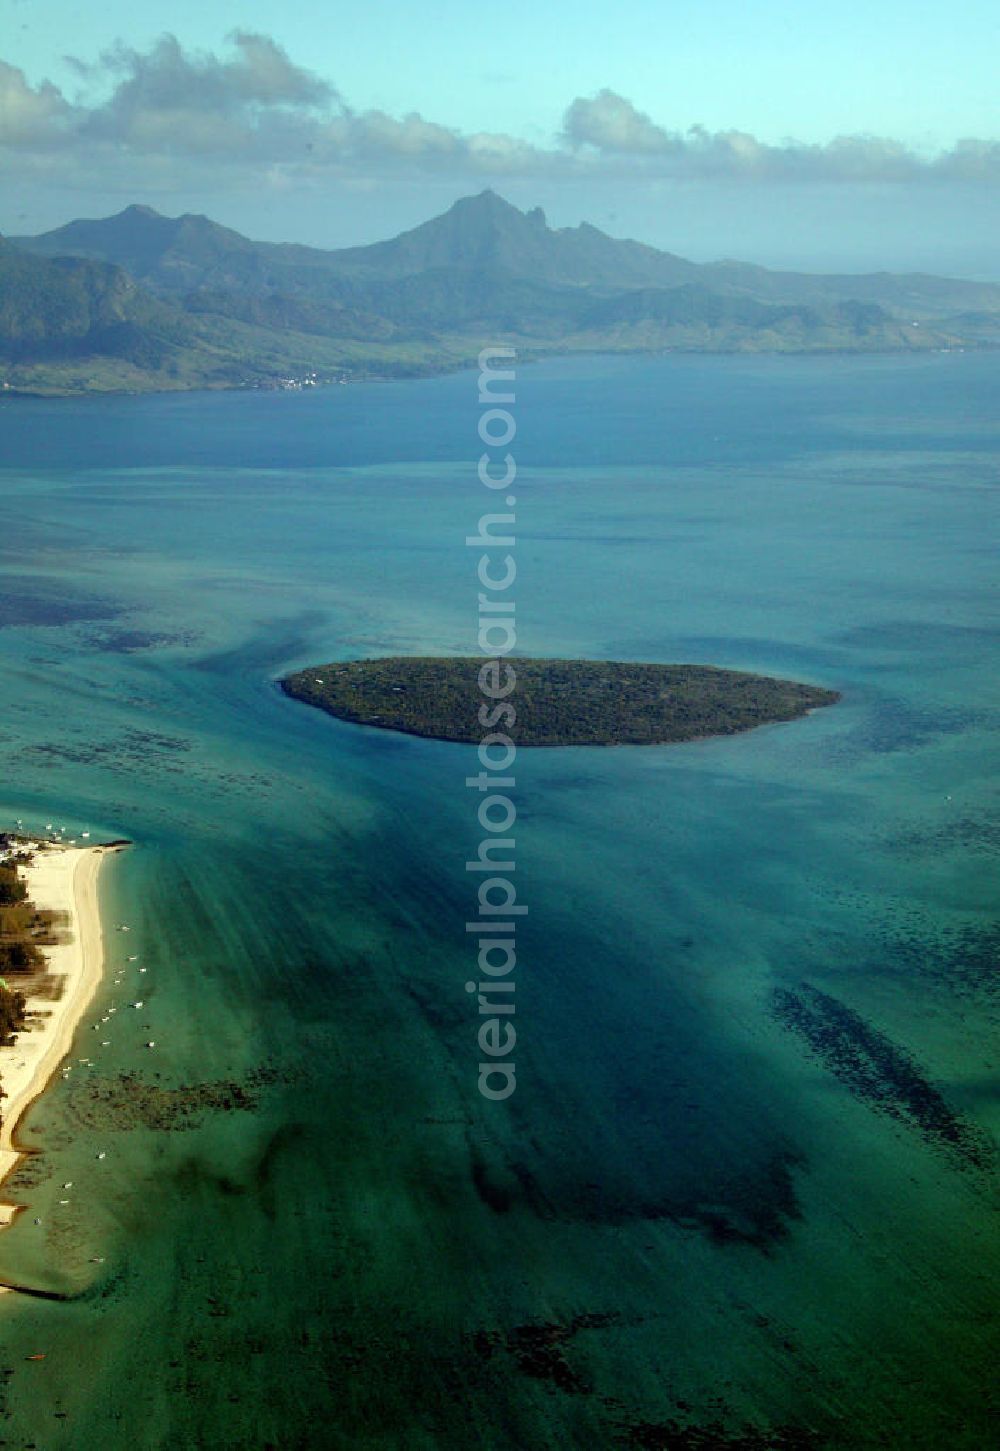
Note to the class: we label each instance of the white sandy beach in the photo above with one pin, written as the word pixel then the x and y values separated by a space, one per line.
pixel 64 880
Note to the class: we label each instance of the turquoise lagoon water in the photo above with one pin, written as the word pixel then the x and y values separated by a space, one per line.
pixel 743 1189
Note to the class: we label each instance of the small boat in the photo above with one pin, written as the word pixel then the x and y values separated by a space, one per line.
pixel 151 1044
pixel 133 958
pixel 102 1155
pixel 84 833
pixel 68 1184
pixel 39 1355
pixel 139 1004
pixel 64 1201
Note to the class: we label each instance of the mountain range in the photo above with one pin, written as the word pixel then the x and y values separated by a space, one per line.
pixel 143 301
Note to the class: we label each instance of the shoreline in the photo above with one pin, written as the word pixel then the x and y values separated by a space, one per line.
pixel 63 880
pixel 526 357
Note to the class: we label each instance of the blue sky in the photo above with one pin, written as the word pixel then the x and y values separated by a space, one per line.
pixel 765 72
pixel 924 73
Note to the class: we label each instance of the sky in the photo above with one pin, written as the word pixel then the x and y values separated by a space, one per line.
pixel 848 136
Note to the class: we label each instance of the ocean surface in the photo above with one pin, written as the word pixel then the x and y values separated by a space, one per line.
pixel 744 1193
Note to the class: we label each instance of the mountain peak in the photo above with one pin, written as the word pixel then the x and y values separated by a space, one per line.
pixel 486 203
pixel 161 250
pixel 485 233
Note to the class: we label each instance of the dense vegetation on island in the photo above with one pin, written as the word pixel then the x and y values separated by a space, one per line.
pixel 555 702
pixel 19 950
pixel 142 301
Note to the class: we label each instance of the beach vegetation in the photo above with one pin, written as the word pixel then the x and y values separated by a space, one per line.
pixel 20 923
pixel 12 888
pixel 12 1014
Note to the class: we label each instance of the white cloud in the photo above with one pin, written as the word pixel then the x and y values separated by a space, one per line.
pixel 167 109
pixel 609 126
pixel 30 116
pixel 612 124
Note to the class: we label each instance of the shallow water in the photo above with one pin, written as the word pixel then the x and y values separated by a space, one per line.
pixel 746 1173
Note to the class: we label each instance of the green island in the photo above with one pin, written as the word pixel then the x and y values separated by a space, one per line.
pixel 555 702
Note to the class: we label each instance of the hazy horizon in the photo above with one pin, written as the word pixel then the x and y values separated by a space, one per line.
pixel 861 141
pixel 360 235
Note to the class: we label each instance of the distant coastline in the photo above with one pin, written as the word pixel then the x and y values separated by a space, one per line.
pixel 141 303
pixel 438 368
